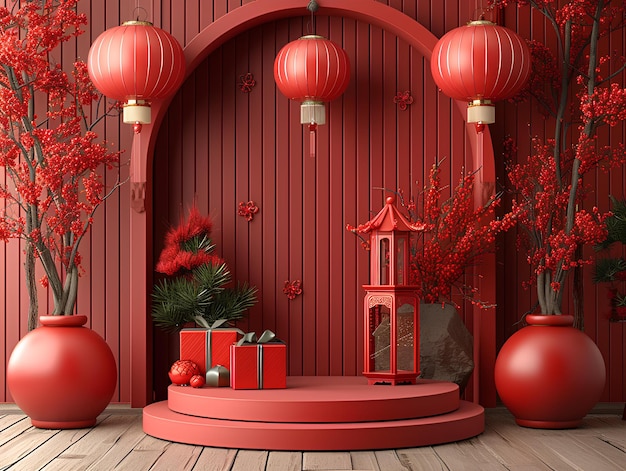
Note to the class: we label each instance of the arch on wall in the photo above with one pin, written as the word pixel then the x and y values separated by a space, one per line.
pixel 200 47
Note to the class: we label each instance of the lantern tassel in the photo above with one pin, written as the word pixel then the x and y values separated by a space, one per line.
pixel 312 132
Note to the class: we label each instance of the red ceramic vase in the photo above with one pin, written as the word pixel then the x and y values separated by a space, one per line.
pixel 62 375
pixel 549 374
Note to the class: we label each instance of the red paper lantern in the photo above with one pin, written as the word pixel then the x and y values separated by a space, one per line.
pixel 312 70
pixel 480 63
pixel 135 63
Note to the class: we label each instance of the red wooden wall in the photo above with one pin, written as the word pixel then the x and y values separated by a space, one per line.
pixel 219 146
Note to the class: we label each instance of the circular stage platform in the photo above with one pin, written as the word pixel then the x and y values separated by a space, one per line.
pixel 316 413
pixel 318 399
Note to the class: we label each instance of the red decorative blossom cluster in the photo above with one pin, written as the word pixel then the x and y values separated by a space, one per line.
pixel 246 82
pixel 53 161
pixel 403 99
pixel 292 289
pixel 247 210
pixel 455 235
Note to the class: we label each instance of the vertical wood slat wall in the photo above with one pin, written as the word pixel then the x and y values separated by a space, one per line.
pixel 219 146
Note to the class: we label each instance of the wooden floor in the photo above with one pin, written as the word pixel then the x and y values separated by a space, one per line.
pixel 118 443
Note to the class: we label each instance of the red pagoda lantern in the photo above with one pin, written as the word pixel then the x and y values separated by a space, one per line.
pixel 391 308
pixel 135 63
pixel 480 63
pixel 312 70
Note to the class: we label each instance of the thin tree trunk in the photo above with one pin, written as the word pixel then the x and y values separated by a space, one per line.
pixel 31 286
pixel 578 293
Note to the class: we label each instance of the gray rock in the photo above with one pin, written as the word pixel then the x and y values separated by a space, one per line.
pixel 446 346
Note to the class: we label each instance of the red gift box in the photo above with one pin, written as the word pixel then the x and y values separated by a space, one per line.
pixel 208 346
pixel 258 364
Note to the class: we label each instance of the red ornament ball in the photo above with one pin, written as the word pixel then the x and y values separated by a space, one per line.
pixel 182 371
pixel 196 381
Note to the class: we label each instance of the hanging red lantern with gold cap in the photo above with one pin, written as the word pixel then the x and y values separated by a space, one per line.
pixel 135 63
pixel 480 63
pixel 312 70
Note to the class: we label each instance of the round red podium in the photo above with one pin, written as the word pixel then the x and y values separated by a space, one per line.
pixel 316 413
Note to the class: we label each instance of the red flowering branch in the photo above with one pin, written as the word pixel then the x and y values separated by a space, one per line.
pixel 453 236
pixel 572 84
pixel 456 236
pixel 52 161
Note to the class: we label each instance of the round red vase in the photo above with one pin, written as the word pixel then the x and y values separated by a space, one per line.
pixel 62 375
pixel 549 374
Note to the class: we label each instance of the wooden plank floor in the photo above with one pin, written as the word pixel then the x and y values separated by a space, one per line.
pixel 118 443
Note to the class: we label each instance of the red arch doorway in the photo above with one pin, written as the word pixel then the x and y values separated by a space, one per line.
pixel 213 36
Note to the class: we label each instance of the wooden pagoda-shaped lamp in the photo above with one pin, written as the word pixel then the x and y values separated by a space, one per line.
pixel 391 324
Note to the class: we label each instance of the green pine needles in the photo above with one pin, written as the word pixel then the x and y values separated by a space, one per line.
pixel 613 269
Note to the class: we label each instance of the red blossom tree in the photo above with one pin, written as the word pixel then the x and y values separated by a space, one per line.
pixel 51 160
pixel 574 85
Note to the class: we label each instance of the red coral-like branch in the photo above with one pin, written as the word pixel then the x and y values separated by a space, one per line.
pixel 176 258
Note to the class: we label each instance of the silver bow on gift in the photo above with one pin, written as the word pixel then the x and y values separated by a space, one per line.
pixel 251 338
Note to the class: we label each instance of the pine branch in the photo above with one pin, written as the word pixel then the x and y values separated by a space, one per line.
pixel 231 303
pixel 607 269
pixel 178 301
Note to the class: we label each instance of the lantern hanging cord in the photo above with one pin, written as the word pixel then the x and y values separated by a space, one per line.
pixel 313 6
pixel 137 11
pixel 481 12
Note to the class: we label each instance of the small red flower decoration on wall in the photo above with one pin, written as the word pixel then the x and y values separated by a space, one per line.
pixel 403 99
pixel 292 289
pixel 247 82
pixel 248 210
